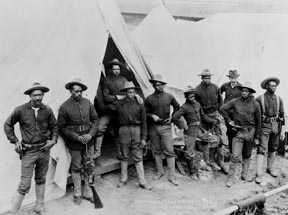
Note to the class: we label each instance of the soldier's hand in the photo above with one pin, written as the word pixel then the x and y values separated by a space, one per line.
pixel 232 123
pixel 49 145
pixel 86 138
pixel 120 97
pixel 143 143
pixel 167 121
pixel 155 118
pixel 18 147
pixel 80 139
pixel 139 99
pixel 256 142
pixel 282 135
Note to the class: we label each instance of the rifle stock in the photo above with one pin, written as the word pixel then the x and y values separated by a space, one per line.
pixel 97 201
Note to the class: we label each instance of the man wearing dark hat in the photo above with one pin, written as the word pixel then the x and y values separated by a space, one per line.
pixel 272 109
pixel 247 122
pixel 231 91
pixel 209 97
pixel 39 133
pixel 158 111
pixel 132 133
pixel 77 121
pixel 193 114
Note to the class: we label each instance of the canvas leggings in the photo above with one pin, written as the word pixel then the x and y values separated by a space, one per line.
pixel 269 139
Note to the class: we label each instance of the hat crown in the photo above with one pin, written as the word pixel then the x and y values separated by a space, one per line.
pixel 158 77
pixel 36 86
pixel 189 89
pixel 233 73
pixel 247 84
pixel 206 72
pixel 77 80
pixel 129 84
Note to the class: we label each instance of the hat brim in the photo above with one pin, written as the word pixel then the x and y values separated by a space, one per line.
pixel 128 88
pixel 111 63
pixel 263 83
pixel 233 76
pixel 208 74
pixel 44 89
pixel 69 84
pixel 250 89
pixel 152 81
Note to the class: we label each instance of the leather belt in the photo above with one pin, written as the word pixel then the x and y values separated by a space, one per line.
pixel 270 119
pixel 33 147
pixel 80 128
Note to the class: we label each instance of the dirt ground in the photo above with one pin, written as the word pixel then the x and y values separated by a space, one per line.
pixel 190 197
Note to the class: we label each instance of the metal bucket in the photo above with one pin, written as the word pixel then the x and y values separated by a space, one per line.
pixel 204 175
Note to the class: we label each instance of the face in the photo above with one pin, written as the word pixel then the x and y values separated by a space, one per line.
pixel 191 98
pixel 245 93
pixel 76 92
pixel 233 80
pixel 115 70
pixel 271 86
pixel 206 80
pixel 158 87
pixel 130 94
pixel 36 97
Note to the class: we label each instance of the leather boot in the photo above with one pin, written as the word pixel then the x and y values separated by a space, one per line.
pixel 171 171
pixel 212 155
pixel 194 164
pixel 231 175
pixel 159 167
pixel 97 147
pixel 40 194
pixel 259 168
pixel 245 170
pixel 270 164
pixel 141 176
pixel 124 174
pixel 16 203
pixel 87 192
pixel 77 187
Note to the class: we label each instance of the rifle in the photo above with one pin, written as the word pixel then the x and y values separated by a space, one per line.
pixel 89 170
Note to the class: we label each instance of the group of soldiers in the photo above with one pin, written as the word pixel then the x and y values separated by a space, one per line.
pixel 250 122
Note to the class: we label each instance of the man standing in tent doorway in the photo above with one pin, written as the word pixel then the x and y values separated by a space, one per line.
pixel 77 120
pixel 231 92
pixel 132 134
pixel 272 109
pixel 247 123
pixel 209 97
pixel 158 112
pixel 39 133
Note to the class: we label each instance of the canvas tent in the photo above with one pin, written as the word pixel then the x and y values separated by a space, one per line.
pixel 254 44
pixel 52 42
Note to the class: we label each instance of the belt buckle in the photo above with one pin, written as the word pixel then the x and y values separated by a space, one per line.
pixel 81 128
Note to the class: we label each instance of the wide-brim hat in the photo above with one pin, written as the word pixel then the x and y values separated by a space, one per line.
pixel 247 85
pixel 189 90
pixel 128 85
pixel 157 78
pixel 76 81
pixel 36 86
pixel 205 72
pixel 264 82
pixel 233 74
pixel 115 61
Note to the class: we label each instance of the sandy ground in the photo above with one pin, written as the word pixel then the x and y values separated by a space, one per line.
pixel 190 197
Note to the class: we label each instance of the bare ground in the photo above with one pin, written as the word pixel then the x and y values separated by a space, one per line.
pixel 190 197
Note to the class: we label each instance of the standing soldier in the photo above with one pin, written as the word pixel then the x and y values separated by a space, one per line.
pixel 272 120
pixel 158 111
pixel 77 120
pixel 247 122
pixel 209 97
pixel 193 114
pixel 132 133
pixel 231 92
pixel 39 133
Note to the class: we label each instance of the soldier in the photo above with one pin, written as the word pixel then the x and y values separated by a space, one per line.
pixel 272 120
pixel 231 91
pixel 39 133
pixel 193 114
pixel 77 120
pixel 247 122
pixel 209 97
pixel 132 133
pixel 158 112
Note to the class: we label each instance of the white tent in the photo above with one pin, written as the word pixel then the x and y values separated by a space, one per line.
pixel 254 44
pixel 52 42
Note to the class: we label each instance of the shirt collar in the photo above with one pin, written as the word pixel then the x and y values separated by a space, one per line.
pixel 29 105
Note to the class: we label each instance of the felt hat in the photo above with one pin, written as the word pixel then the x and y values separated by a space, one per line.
pixel 128 85
pixel 233 74
pixel 157 78
pixel 189 90
pixel 264 82
pixel 247 85
pixel 205 72
pixel 76 81
pixel 36 86
pixel 115 61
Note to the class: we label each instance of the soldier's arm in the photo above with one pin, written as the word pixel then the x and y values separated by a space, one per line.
pixel 9 126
